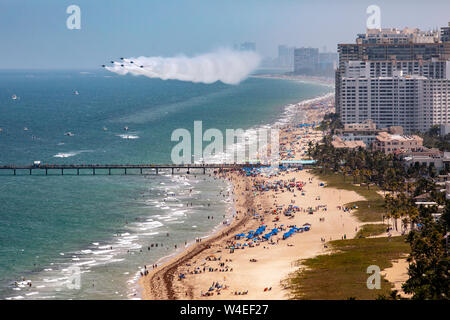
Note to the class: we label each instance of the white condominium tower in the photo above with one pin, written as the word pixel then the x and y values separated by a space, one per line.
pixel 395 78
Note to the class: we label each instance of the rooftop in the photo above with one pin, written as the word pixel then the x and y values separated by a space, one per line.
pixel 339 143
pixel 384 136
pixel 394 35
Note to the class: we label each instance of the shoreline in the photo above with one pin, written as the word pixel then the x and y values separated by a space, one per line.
pixel 160 283
pixel 166 271
pixel 307 79
pixel 139 288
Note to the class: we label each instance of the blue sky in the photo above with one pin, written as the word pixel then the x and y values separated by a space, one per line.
pixel 33 33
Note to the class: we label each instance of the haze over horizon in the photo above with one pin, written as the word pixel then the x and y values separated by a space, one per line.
pixel 35 35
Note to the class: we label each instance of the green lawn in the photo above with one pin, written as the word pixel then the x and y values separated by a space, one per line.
pixel 342 274
pixel 371 210
pixel 370 230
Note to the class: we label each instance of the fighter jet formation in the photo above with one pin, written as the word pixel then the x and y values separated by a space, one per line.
pixel 125 62
pixel 227 66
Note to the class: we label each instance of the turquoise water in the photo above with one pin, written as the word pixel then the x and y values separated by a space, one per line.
pixel 49 224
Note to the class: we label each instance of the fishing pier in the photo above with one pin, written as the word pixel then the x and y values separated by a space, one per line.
pixel 111 169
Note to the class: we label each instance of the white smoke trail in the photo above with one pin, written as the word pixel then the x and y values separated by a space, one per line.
pixel 230 67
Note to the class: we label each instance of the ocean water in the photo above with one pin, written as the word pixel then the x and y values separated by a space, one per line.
pixel 103 225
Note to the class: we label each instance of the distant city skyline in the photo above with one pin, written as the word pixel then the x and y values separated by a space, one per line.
pixel 35 35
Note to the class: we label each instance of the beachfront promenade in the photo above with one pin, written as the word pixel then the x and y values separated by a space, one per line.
pixel 93 169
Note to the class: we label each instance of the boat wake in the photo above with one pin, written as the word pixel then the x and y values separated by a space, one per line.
pixel 128 136
pixel 69 154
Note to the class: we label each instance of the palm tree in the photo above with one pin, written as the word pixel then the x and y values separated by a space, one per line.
pixel 355 174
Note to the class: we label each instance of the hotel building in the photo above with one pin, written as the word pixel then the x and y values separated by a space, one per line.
pixel 395 143
pixel 395 78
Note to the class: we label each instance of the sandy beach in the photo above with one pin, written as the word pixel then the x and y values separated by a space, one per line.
pixel 227 267
pixel 257 272
pixel 265 265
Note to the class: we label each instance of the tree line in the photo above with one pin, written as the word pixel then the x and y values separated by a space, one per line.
pixel 428 236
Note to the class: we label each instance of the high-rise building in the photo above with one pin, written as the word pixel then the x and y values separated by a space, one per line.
pixel 306 60
pixel 286 56
pixel 445 33
pixel 327 63
pixel 395 78
pixel 309 61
